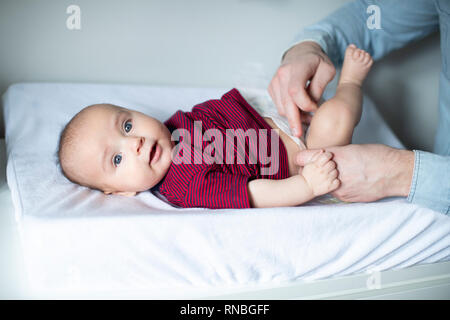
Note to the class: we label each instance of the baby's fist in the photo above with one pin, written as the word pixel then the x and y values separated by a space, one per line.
pixel 321 173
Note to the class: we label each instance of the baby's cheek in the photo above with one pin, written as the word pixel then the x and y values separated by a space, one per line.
pixel 144 179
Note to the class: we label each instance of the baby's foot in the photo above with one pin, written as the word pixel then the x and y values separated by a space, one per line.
pixel 357 64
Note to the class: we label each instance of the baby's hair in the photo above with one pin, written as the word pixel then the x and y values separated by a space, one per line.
pixel 67 139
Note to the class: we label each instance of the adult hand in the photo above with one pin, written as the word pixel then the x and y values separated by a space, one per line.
pixel 288 88
pixel 368 172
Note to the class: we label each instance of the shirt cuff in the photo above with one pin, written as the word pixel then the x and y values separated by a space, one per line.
pixel 430 185
pixel 316 36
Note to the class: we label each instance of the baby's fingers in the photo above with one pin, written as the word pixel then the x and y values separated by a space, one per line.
pixel 333 174
pixel 329 166
pixel 324 158
pixel 334 185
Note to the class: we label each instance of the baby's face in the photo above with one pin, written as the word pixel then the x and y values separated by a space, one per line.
pixel 122 151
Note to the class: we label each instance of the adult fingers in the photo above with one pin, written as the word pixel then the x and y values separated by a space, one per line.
pixel 294 118
pixel 274 91
pixel 298 93
pixel 292 86
pixel 291 111
pixel 324 74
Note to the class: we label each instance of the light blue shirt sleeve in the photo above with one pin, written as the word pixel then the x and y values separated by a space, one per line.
pixel 400 22
pixel 430 185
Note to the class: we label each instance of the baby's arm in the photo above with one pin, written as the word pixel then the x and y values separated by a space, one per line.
pixel 317 178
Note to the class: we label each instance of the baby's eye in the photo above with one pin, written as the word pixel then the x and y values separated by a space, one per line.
pixel 127 126
pixel 117 159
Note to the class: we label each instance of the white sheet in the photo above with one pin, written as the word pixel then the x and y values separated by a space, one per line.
pixel 74 238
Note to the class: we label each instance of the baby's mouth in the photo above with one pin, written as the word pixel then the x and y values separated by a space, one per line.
pixel 154 153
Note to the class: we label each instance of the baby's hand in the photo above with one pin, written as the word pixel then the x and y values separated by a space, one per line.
pixel 321 174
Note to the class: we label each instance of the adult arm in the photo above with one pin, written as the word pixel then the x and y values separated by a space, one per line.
pixel 320 47
pixel 371 172
pixel 401 22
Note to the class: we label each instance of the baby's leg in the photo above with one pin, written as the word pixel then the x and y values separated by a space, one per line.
pixel 334 121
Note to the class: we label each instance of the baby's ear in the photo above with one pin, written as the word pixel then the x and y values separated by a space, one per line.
pixel 125 193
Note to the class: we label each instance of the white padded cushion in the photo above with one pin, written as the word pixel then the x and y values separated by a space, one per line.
pixel 76 238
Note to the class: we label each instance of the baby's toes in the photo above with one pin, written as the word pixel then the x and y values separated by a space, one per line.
pixel 370 60
pixel 350 51
pixel 357 54
pixel 367 58
pixel 363 56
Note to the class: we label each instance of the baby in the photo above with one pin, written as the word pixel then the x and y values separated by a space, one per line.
pixel 121 151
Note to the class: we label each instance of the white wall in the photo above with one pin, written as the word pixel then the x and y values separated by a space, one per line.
pixel 198 43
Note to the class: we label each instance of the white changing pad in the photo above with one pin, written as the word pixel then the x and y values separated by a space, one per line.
pixel 80 240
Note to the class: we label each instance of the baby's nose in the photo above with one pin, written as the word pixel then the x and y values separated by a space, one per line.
pixel 139 143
